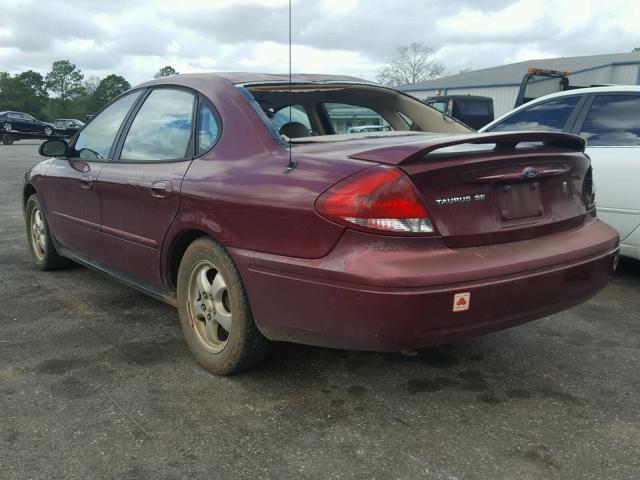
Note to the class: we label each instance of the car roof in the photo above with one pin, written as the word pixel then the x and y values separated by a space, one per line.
pixel 566 93
pixel 241 78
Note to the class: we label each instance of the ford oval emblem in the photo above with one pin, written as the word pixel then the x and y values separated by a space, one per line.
pixel 531 173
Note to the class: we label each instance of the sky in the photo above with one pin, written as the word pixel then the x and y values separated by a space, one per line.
pixel 354 37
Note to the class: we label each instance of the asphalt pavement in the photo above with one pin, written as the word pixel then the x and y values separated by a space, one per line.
pixel 96 382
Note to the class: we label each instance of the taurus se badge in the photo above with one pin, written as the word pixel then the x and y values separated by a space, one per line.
pixel 478 197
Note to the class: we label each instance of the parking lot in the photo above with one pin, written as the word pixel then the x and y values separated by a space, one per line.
pixel 96 382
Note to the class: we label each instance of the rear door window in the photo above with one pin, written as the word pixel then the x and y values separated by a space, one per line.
pixel 613 120
pixel 549 116
pixel 345 117
pixel 162 127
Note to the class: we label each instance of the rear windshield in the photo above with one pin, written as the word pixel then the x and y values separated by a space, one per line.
pixel 323 110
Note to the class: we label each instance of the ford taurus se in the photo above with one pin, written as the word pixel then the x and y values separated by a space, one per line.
pixel 259 209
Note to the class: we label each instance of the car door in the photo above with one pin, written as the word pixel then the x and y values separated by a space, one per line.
pixel 611 126
pixel 31 124
pixel 18 122
pixel 70 194
pixel 140 188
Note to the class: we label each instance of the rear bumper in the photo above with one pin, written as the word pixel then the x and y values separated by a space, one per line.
pixel 377 293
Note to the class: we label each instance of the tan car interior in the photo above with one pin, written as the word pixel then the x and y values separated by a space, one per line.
pixel 400 111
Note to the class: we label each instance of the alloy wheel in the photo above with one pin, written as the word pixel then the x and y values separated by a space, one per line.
pixel 209 306
pixel 6 127
pixel 38 234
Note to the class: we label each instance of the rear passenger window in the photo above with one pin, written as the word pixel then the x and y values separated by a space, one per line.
pixel 548 116
pixel 162 127
pixel 613 120
pixel 208 129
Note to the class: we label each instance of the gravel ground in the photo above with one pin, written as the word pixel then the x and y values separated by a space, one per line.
pixel 96 382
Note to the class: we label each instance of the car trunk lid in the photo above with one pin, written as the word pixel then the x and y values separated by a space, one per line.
pixel 490 188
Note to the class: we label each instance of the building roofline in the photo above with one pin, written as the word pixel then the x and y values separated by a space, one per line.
pixel 512 84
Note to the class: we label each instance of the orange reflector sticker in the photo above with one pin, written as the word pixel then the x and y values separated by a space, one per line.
pixel 461 301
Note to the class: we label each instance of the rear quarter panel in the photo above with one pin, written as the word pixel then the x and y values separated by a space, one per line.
pixel 241 195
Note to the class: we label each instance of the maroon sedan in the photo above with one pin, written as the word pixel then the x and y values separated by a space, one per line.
pixel 263 212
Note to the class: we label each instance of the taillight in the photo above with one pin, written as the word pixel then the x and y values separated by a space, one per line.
pixel 380 198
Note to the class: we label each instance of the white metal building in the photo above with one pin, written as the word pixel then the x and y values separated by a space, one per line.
pixel 502 83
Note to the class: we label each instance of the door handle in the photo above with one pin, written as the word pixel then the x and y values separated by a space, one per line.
pixel 86 182
pixel 161 188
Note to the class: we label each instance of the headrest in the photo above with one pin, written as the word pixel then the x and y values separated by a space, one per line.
pixel 294 130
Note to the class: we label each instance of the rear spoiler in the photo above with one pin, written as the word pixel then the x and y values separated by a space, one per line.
pixel 406 152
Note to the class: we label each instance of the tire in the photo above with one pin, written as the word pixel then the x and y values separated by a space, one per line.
pixel 209 284
pixel 7 127
pixel 48 131
pixel 44 253
pixel 7 139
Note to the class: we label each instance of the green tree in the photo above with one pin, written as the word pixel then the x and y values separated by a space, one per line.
pixel 38 96
pixel 166 72
pixel 65 79
pixel 34 81
pixel 15 95
pixel 109 87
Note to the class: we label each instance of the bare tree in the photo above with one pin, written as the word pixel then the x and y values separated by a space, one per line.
pixel 414 64
pixel 91 83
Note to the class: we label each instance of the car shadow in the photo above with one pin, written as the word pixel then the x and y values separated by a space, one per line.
pixel 537 360
pixel 628 268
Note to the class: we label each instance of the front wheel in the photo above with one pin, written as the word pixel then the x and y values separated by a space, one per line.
pixel 7 127
pixel 43 251
pixel 215 315
pixel 48 131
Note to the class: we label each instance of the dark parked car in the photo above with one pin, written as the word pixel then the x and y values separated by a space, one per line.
pixel 471 110
pixel 68 127
pixel 24 123
pixel 184 189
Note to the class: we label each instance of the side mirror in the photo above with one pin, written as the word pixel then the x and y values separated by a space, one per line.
pixel 54 148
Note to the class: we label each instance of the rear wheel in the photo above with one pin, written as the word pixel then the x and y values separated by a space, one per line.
pixel 43 251
pixel 215 315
